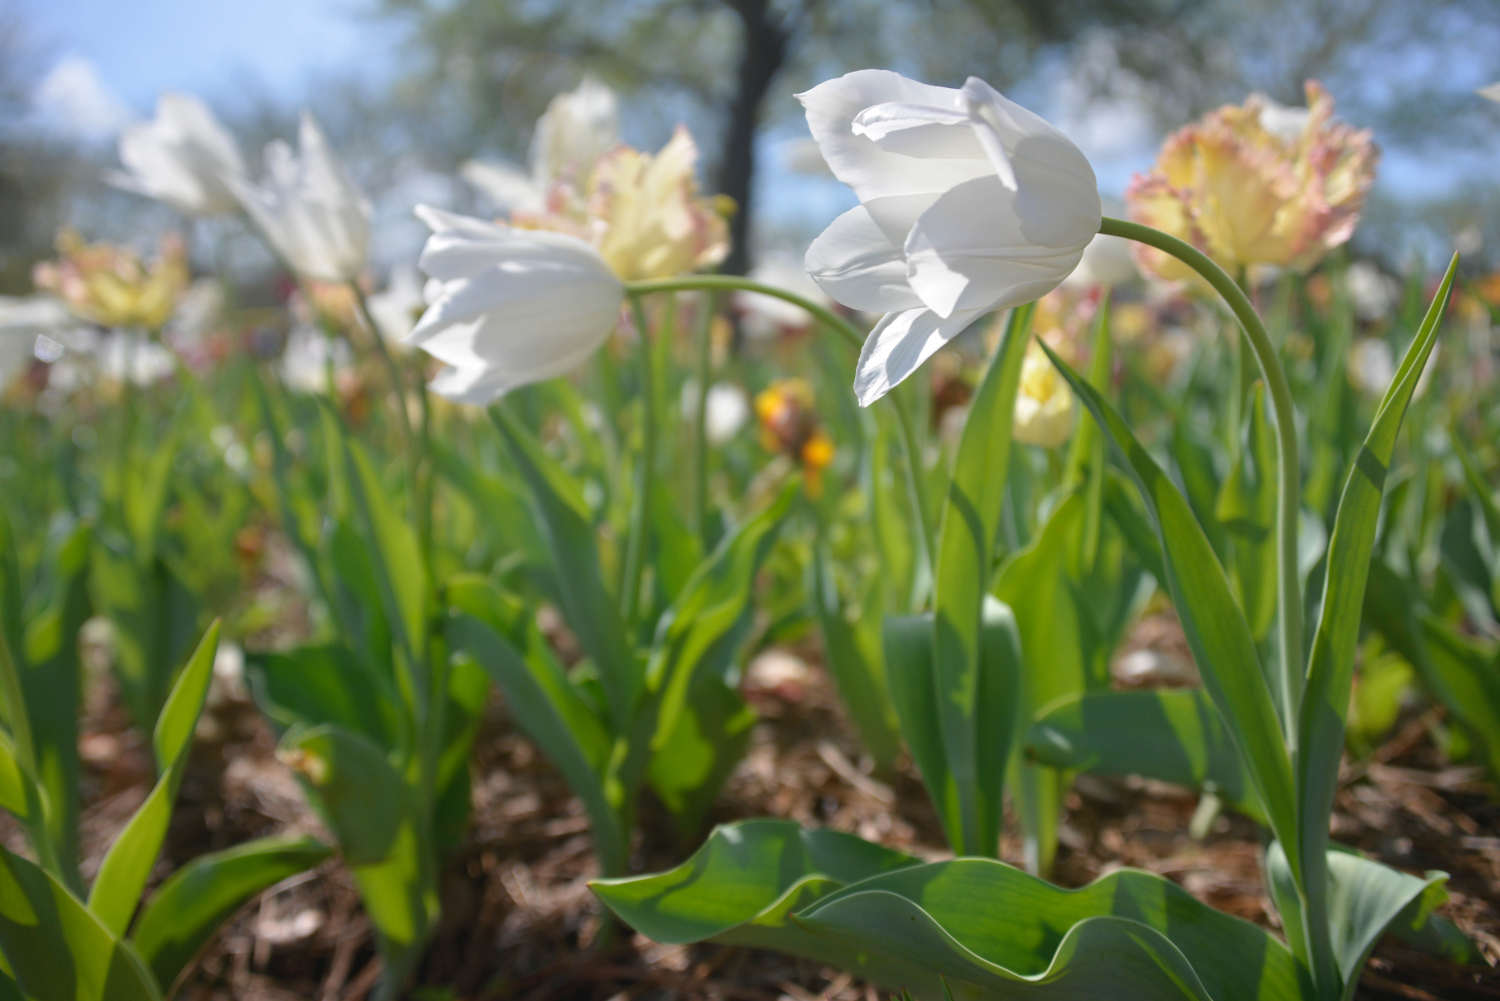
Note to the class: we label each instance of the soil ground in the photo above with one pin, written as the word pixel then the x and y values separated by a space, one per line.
pixel 519 921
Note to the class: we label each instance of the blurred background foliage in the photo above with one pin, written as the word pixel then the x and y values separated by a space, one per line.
pixel 445 80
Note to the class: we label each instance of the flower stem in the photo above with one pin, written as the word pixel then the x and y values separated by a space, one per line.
pixel 700 418
pixel 854 338
pixel 1287 691
pixel 640 528
pixel 392 370
pixel 419 475
pixel 1315 947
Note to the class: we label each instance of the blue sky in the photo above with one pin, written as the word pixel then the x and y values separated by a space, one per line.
pixel 212 47
pixel 104 62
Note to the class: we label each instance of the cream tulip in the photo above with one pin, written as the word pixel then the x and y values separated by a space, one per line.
pixel 968 203
pixel 509 306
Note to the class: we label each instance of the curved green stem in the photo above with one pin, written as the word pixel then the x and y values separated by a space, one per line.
pixel 1311 874
pixel 635 547
pixel 700 420
pixel 734 283
pixel 1288 690
pixel 388 361
pixel 853 337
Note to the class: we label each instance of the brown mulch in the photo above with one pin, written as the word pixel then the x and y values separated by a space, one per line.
pixel 519 923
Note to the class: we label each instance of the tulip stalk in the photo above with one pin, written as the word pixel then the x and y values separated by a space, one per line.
pixel 1287 691
pixel 839 325
pixel 700 419
pixel 635 547
pixel 1288 688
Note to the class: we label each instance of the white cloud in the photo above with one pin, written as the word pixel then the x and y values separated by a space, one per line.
pixel 73 100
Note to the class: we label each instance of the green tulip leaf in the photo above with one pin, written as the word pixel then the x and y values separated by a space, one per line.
pixel 312 685
pixel 123 874
pixel 56 949
pixel 971 713
pixel 542 700
pixel 701 724
pixel 1330 672
pixel 195 901
pixel 908 655
pixel 382 834
pixel 1173 735
pixel 51 677
pixel 561 518
pixel 1217 632
pixel 1246 507
pixel 967 929
pixel 1367 900
pixel 851 650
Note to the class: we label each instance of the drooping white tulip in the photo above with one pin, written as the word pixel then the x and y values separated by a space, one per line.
pixel 182 157
pixel 578 127
pixel 309 208
pixel 511 306
pixel 968 203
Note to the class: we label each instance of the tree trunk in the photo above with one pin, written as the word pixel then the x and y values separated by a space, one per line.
pixel 761 58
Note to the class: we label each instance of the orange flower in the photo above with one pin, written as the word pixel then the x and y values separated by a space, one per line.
pixel 790 426
pixel 1257 183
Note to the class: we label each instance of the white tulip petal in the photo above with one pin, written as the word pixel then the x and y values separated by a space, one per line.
pixel 472 378
pixel 537 291
pixel 854 263
pixel 461 246
pixel 973 250
pixel 1023 135
pixel 509 306
pixel 899 344
pixel 861 163
pixel 918 130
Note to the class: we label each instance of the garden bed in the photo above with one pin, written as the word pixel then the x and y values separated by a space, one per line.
pixel 519 922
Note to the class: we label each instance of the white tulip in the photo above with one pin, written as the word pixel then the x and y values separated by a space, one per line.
pixel 968 203
pixel 310 356
pixel 1492 92
pixel 511 306
pixel 726 411
pixel 309 208
pixel 182 157
pixel 578 127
